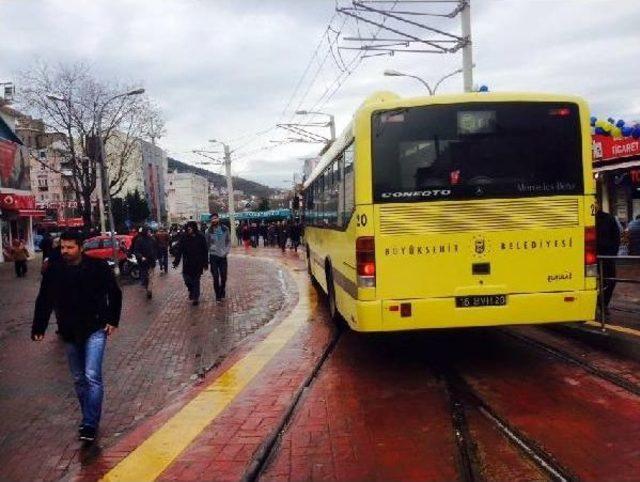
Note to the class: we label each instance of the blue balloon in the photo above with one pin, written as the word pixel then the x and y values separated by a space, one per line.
pixel 483 88
pixel 636 132
pixel 626 131
pixel 620 123
pixel 611 120
pixel 600 131
pixel 593 121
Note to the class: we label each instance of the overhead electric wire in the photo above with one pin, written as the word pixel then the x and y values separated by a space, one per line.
pixel 355 62
pixel 304 74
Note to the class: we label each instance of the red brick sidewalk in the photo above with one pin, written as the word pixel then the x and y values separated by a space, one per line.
pixel 227 447
pixel 154 357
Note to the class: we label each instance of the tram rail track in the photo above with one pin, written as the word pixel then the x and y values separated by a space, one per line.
pixel 609 376
pixel 462 398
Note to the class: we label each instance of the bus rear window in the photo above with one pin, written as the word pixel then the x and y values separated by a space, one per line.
pixel 476 150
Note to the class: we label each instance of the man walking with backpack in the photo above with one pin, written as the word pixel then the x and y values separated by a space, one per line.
pixel 87 301
pixel 219 244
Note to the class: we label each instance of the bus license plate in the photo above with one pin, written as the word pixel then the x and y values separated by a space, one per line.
pixel 480 301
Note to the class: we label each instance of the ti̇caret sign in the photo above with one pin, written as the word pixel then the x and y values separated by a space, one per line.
pixel 609 149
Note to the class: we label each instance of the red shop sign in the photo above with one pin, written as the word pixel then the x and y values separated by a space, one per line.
pixel 14 202
pixel 7 157
pixel 607 148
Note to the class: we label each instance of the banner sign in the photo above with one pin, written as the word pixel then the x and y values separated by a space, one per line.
pixel 15 202
pixel 607 149
pixel 241 216
pixel 7 156
pixel 57 204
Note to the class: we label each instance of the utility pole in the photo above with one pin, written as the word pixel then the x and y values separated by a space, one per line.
pixel 232 208
pixel 227 169
pixel 103 227
pixel 467 50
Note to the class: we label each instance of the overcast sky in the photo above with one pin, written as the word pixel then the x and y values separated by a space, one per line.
pixel 228 69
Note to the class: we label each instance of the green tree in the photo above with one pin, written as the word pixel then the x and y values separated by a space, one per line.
pixel 136 207
pixel 119 213
pixel 264 204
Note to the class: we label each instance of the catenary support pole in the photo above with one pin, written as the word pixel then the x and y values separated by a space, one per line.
pixel 103 226
pixel 467 55
pixel 232 217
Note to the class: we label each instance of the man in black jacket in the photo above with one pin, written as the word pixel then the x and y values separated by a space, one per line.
pixel 607 244
pixel 192 250
pixel 145 248
pixel 87 301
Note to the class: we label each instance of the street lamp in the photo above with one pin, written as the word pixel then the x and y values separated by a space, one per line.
pixel 331 124
pixel 227 168
pixel 432 91
pixel 104 188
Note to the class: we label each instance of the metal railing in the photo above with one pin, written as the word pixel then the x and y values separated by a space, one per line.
pixel 633 259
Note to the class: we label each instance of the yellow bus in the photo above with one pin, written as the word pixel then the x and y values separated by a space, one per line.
pixel 456 211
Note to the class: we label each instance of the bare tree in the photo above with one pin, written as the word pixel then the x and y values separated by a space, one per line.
pixel 154 123
pixel 72 101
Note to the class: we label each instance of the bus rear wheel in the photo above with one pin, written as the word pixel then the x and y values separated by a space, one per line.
pixel 331 298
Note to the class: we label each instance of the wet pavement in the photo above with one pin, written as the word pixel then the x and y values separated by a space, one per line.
pixel 154 357
pixel 299 398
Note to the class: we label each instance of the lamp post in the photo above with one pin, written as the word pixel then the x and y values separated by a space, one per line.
pixel 232 208
pixel 331 124
pixel 104 179
pixel 432 91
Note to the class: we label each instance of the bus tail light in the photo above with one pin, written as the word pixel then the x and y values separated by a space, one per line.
pixel 590 255
pixel 366 261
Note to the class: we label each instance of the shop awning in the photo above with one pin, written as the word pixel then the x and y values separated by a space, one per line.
pixel 618 165
pixel 31 213
pixel 7 134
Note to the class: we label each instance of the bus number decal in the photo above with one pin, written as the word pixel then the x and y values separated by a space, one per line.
pixel 362 220
pixel 594 211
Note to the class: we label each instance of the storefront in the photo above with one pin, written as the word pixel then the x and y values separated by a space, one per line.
pixel 18 214
pixel 616 164
pixel 17 204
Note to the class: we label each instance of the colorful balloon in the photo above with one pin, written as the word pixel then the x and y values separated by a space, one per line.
pixel 636 132
pixel 620 123
pixel 616 132
pixel 593 121
pixel 600 131
pixel 626 131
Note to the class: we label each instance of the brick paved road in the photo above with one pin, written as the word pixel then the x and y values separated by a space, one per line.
pixel 153 358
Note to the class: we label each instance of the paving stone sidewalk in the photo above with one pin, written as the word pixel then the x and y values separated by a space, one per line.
pixel 154 357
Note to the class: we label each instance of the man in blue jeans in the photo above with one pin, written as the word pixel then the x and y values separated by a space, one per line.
pixel 87 301
pixel 219 243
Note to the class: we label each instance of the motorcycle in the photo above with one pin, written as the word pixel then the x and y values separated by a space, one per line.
pixel 130 267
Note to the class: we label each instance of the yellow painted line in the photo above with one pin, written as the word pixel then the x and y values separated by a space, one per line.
pixel 157 452
pixel 621 329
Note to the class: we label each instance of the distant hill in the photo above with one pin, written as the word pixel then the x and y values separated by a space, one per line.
pixel 250 188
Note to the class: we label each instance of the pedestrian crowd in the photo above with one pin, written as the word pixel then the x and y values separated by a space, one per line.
pixel 272 234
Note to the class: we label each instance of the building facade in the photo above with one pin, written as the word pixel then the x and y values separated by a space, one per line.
pixel 187 197
pixel 155 172
pixel 17 204
pixel 145 170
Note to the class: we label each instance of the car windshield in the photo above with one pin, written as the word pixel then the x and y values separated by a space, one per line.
pixel 476 150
